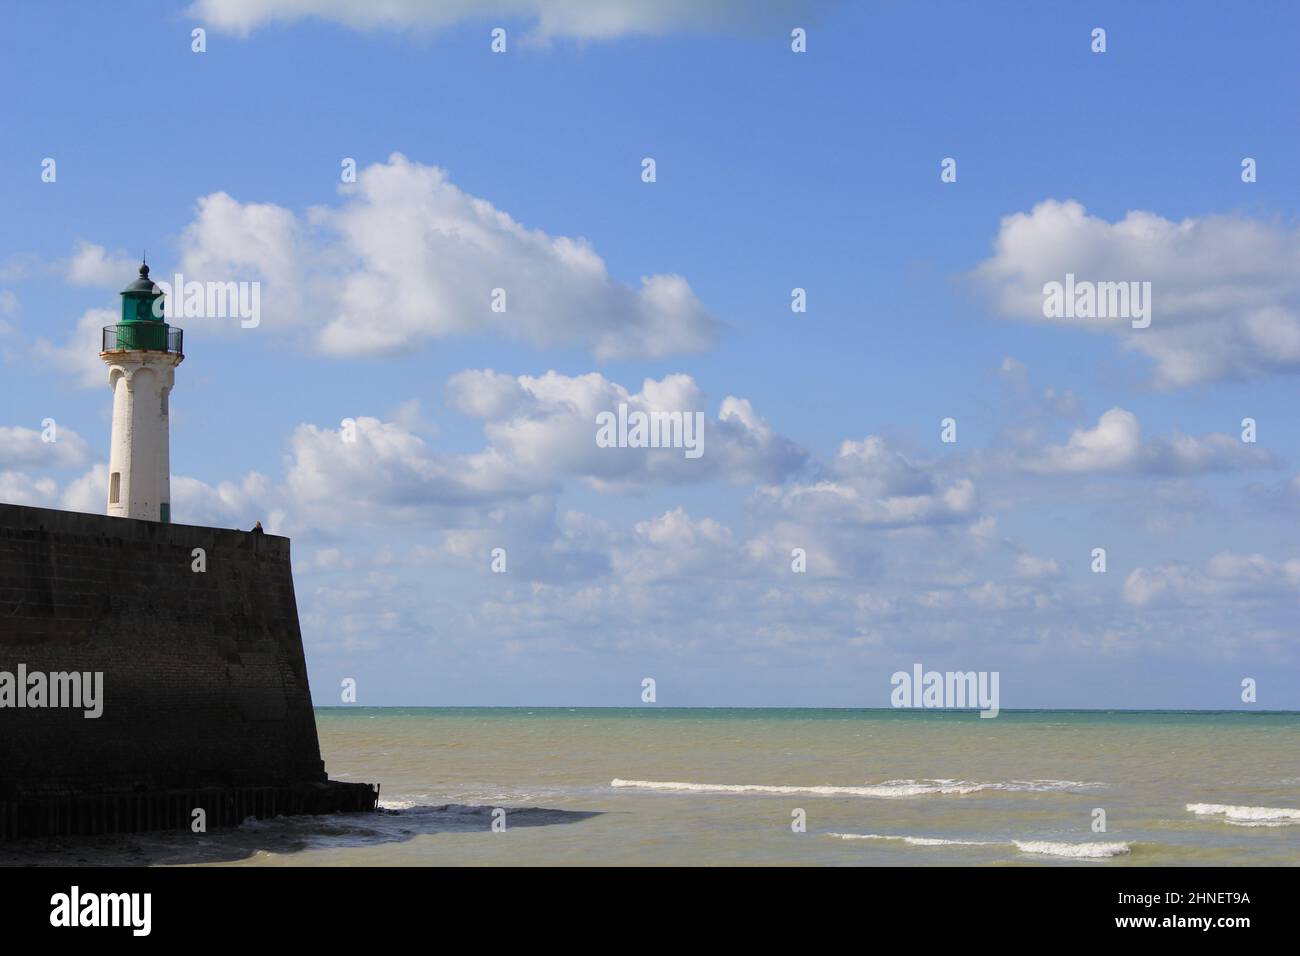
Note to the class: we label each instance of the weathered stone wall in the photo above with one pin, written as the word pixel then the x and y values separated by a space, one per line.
pixel 205 684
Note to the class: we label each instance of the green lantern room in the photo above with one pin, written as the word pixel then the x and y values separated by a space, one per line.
pixel 142 327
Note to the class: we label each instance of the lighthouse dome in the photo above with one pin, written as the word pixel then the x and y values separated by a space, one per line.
pixel 142 285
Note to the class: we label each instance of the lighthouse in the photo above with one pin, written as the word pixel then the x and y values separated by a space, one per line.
pixel 141 352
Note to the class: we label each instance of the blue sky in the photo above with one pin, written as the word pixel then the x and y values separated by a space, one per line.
pixel 775 170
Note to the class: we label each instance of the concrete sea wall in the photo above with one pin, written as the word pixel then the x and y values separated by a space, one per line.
pixel 204 682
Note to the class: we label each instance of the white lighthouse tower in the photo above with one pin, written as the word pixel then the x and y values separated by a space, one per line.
pixel 141 352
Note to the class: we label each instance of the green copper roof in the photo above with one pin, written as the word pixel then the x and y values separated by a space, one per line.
pixel 141 285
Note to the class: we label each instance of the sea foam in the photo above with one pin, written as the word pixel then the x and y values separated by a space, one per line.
pixel 1247 816
pixel 913 840
pixel 890 789
pixel 1077 851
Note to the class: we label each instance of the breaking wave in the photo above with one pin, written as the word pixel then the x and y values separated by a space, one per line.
pixel 1076 851
pixel 913 840
pixel 1247 816
pixel 888 789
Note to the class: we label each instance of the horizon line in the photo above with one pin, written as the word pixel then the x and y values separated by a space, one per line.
pixel 936 710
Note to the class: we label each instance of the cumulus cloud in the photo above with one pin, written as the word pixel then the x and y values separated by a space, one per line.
pixel 230 241
pixel 675 546
pixel 407 258
pixel 87 494
pixel 23 448
pixel 225 505
pixel 20 488
pixel 868 484
pixel 93 265
pixel 383 467
pixel 1224 575
pixel 485 394
pixel 1225 289
pixel 547 424
pixel 1116 445
pixel 228 504
pixel 541 431
pixel 79 355
pixel 551 18
pixel 538 542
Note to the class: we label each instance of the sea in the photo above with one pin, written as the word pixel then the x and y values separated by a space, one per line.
pixel 650 786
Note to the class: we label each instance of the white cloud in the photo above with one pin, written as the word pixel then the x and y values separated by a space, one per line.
pixel 540 432
pixel 581 19
pixel 1035 568
pixel 547 425
pixel 19 488
pixel 539 543
pixel 230 241
pixel 87 494
pixel 1225 575
pixel 79 355
pixel 485 394
pixel 92 265
pixel 410 416
pixel 674 546
pixel 407 258
pixel 389 470
pixel 229 504
pixel 1225 289
pixel 1116 445
pixel 868 484
pixel 26 448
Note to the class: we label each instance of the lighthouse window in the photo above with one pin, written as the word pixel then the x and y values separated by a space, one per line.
pixel 115 488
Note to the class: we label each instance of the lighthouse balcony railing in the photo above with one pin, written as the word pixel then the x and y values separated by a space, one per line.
pixel 144 337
